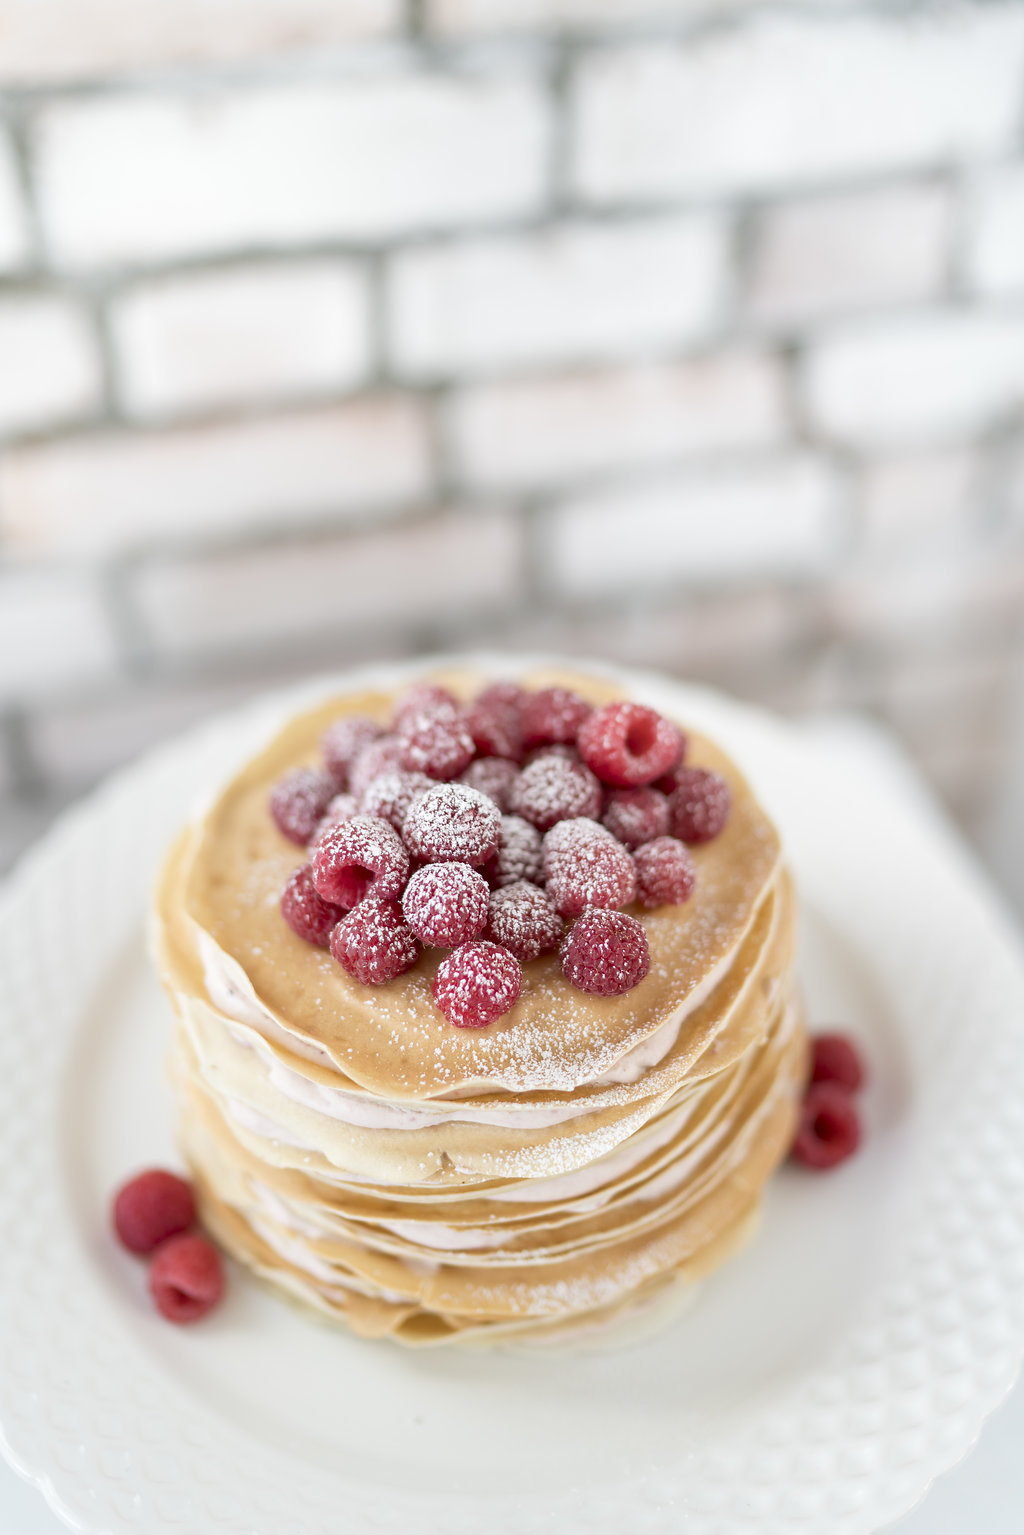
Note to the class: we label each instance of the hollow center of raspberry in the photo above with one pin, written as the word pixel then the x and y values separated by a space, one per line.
pixel 640 738
pixel 360 880
pixel 825 1127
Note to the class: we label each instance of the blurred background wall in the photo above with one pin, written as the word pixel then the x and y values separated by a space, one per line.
pixel 686 333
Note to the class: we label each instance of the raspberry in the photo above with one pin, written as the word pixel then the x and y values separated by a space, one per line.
pixel 524 921
pixel 446 904
pixel 829 1129
pixel 592 871
pixel 493 776
pixel 553 714
pixel 305 910
pixel 518 856
pixel 699 807
pixel 477 983
pixel 298 801
pixel 342 742
pixel 341 808
pixel 435 742
pixel 552 789
pixel 373 943
pixel 565 836
pixel 422 698
pixel 508 693
pixel 836 1058
pixel 392 793
pixel 151 1207
pixel 669 782
pixel 664 873
pixel 380 756
pixel 452 823
pixel 605 953
pixel 552 749
pixel 636 815
pixel 186 1279
pixel 495 729
pixel 627 744
pixel 358 858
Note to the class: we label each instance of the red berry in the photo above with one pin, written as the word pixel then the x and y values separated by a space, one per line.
pixel 552 749
pixel 298 802
pixel 344 740
pixel 477 983
pixel 373 943
pixel 835 1058
pixel 446 904
pixel 341 808
pixel 495 729
pixel 305 910
pixel 636 816
pixel 186 1278
pixel 493 776
pixel 151 1207
pixel 361 857
pixel 551 790
pixel 452 824
pixel 508 693
pixel 605 953
pixel 829 1129
pixel 669 782
pixel 392 793
pixel 592 871
pixel 566 836
pixel 435 742
pixel 627 744
pixel 380 756
pixel 553 714
pixel 523 920
pixel 664 873
pixel 422 698
pixel 518 856
pixel 699 807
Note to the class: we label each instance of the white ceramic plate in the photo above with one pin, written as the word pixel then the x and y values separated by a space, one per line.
pixel 821 1380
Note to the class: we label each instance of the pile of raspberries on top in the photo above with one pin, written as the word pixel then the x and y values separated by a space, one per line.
pixel 486 828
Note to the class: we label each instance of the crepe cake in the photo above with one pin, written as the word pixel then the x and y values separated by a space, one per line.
pixel 554 1170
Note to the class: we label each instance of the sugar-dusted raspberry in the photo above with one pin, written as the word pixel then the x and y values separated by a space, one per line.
pixel 436 741
pixel 552 749
pixel 374 943
pixel 636 815
pixel 151 1207
pixel 523 920
pixel 829 1129
pixel 379 757
pixel 493 776
pixel 342 742
pixel 835 1058
pixel 341 808
pixel 305 910
pixel 593 871
pixel 552 714
pixel 552 789
pixel 518 855
pixel 508 693
pixel 298 802
pixel 668 783
pixel 495 729
pixel 477 983
pixel 359 858
pixel 699 807
pixel 664 872
pixel 566 836
pixel 445 904
pixel 605 953
pixel 186 1279
pixel 627 744
pixel 392 793
pixel 452 823
pixel 422 698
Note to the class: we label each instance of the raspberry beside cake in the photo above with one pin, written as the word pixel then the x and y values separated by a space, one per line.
pixel 567 1155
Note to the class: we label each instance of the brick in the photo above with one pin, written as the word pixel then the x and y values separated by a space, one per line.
pixel 470 17
pixel 579 292
pixel 55 42
pixel 780 102
pixel 777 518
pixel 528 432
pixel 918 378
pixel 51 370
pixel 53 633
pixel 248 334
pixel 822 256
pixel 115 491
pixel 995 236
pixel 13 229
pixel 149 177
pixel 915 501
pixel 435 571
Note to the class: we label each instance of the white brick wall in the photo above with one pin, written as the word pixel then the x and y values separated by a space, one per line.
pixel 777 102
pixel 578 292
pixel 49 369
pixel 777 517
pixel 242 335
pixel 13 233
pixel 53 633
pixel 917 502
pixel 917 379
pixel 457 17
pixel 995 241
pixel 104 494
pixel 142 177
pixel 535 431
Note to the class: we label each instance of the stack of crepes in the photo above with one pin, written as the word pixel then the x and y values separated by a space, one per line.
pixel 571 1161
